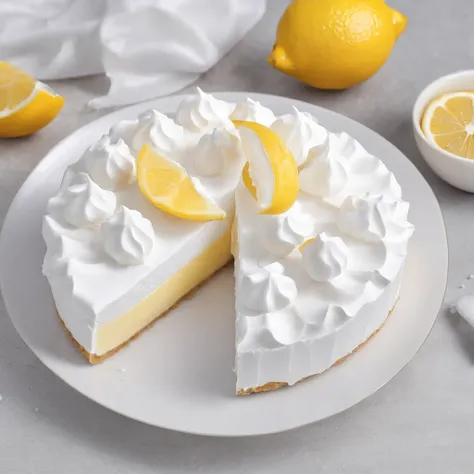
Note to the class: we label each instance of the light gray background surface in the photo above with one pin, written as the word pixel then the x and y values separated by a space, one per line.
pixel 421 422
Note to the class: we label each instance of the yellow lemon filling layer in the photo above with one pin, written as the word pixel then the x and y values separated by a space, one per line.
pixel 111 335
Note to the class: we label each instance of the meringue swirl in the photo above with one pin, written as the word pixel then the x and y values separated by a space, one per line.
pixel 157 130
pixel 300 131
pixel 110 165
pixel 324 257
pixel 214 152
pixel 128 237
pixel 124 130
pixel 324 173
pixel 365 172
pixel 253 111
pixel 84 203
pixel 374 217
pixel 267 291
pixel 280 234
pixel 203 111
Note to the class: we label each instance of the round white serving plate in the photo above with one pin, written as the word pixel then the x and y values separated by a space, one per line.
pixel 178 374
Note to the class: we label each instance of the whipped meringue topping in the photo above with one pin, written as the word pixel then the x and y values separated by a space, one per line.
pixel 159 131
pixel 298 311
pixel 324 173
pixel 324 257
pixel 253 111
pixel 110 165
pixel 150 128
pixel 124 130
pixel 128 237
pixel 300 131
pixel 267 291
pixel 280 234
pixel 83 202
pixel 374 217
pixel 215 152
pixel 202 112
pixel 365 172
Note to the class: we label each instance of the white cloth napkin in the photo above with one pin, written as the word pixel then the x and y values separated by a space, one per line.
pixel 148 48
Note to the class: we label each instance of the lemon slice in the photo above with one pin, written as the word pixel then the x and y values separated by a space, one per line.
pixel 449 123
pixel 271 174
pixel 26 105
pixel 167 185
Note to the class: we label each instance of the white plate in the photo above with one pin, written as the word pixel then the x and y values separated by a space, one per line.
pixel 178 374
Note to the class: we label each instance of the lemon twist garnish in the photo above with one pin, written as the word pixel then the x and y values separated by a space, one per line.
pixel 271 173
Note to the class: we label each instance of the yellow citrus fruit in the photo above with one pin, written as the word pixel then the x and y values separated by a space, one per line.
pixel 335 44
pixel 271 173
pixel 167 185
pixel 26 105
pixel 448 122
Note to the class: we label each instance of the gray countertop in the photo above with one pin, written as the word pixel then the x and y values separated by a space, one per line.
pixel 421 422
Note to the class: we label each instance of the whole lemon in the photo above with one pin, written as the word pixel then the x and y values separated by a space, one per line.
pixel 335 44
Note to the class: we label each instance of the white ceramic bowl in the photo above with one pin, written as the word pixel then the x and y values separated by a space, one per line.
pixel 458 172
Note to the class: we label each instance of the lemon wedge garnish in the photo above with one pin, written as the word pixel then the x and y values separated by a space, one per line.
pixel 271 173
pixel 448 122
pixel 167 185
pixel 26 105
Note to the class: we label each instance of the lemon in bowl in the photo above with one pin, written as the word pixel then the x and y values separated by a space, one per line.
pixel 443 126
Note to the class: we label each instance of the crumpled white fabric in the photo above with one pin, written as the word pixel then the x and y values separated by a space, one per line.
pixel 148 48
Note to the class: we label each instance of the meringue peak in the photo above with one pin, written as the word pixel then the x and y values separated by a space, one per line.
pixel 324 257
pixel 150 128
pixel 280 234
pixel 267 291
pixel 159 131
pixel 110 165
pixel 202 112
pixel 324 173
pixel 128 237
pixel 253 111
pixel 84 203
pixel 300 131
pixel 374 217
pixel 214 152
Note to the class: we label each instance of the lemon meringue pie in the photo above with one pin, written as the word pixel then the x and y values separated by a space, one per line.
pixel 318 258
